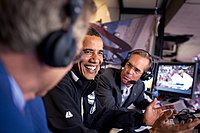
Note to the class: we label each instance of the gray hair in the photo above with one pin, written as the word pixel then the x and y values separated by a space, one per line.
pixel 23 23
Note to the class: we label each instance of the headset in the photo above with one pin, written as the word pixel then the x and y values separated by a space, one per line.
pixel 58 48
pixel 148 74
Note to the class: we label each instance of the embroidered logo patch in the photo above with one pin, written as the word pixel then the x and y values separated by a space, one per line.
pixel 91 100
pixel 68 114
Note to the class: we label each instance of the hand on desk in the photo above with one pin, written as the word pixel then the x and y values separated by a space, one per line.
pixel 161 125
pixel 152 113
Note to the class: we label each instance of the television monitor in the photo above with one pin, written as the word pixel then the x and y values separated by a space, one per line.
pixel 175 79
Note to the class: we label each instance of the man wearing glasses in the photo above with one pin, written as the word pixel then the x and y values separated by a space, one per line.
pixel 121 89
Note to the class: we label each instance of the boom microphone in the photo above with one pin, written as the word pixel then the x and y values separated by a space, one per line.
pixel 132 81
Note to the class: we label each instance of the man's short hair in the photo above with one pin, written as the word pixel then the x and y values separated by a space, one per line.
pixel 93 32
pixel 24 23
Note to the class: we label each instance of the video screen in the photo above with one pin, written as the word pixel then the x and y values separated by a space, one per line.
pixel 176 78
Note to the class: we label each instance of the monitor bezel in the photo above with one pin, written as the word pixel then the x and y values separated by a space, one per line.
pixel 176 94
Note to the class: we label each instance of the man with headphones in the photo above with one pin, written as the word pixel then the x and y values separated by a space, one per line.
pixel 123 89
pixel 120 89
pixel 38 42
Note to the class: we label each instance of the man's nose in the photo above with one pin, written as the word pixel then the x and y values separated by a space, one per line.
pixel 131 70
pixel 95 58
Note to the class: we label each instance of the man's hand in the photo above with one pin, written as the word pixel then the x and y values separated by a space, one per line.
pixel 162 126
pixel 152 113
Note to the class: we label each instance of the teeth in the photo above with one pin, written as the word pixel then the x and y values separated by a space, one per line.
pixel 91 67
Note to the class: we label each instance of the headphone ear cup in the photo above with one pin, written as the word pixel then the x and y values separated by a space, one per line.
pixel 146 76
pixel 58 49
pixel 124 63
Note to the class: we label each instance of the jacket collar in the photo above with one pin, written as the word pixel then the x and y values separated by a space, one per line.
pixel 87 86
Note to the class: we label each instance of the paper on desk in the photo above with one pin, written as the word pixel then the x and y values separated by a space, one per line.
pixel 179 105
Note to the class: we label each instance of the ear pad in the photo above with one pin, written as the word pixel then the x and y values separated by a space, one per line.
pixel 124 62
pixel 58 49
pixel 146 75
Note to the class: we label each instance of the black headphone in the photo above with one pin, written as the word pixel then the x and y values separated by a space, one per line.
pixel 148 74
pixel 58 48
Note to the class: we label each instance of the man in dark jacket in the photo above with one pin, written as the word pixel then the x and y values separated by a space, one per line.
pixel 123 88
pixel 72 106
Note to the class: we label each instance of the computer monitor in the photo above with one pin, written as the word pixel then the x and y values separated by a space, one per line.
pixel 175 79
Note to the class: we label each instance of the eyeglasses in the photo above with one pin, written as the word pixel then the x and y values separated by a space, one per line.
pixel 136 70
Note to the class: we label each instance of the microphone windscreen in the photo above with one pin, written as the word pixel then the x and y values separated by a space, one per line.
pixel 132 81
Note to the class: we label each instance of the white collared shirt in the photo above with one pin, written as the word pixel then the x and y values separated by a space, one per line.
pixel 125 92
pixel 17 94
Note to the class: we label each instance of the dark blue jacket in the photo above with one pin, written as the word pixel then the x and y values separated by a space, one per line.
pixel 12 120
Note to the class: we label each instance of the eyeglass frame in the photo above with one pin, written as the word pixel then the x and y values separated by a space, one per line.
pixel 135 69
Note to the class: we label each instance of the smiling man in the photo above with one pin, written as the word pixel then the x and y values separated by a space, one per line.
pixel 92 58
pixel 71 106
